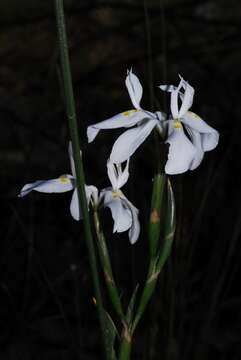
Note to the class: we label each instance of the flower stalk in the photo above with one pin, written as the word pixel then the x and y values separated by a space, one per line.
pixel 80 178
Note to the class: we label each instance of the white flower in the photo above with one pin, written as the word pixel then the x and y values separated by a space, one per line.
pixel 62 184
pixel 124 213
pixel 130 140
pixel 184 153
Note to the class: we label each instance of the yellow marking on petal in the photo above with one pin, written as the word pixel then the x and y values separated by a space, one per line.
pixel 177 124
pixel 116 194
pixel 64 179
pixel 129 112
pixel 194 116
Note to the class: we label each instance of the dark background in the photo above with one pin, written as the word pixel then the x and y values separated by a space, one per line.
pixel 46 307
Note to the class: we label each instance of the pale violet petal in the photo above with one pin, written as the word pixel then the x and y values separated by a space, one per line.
pixel 210 140
pixel 134 88
pixel 187 98
pixel 125 119
pixel 210 136
pixel 74 206
pixel 62 184
pixel 174 103
pixel 130 140
pixel 121 215
pixel 181 151
pixel 197 142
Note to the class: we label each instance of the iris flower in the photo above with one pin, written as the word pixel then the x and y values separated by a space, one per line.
pixel 130 140
pixel 186 153
pixel 63 184
pixel 124 213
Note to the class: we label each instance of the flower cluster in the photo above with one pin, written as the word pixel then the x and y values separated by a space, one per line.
pixel 186 151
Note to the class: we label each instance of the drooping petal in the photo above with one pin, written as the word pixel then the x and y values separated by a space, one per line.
pixel 181 150
pixel 125 119
pixel 123 175
pixel 187 98
pixel 130 140
pixel 197 142
pixel 62 184
pixel 112 174
pixel 134 88
pixel 120 213
pixel 210 136
pixel 134 230
pixel 74 206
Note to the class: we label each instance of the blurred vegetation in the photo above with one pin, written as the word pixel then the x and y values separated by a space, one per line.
pixel 46 309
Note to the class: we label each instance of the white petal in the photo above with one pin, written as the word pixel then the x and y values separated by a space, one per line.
pixel 210 136
pixel 123 175
pixel 91 194
pixel 168 88
pixel 187 99
pixel 134 88
pixel 134 230
pixel 112 174
pixel 120 213
pixel 197 142
pixel 181 151
pixel 74 206
pixel 62 184
pixel 130 140
pixel 174 104
pixel 125 119
pixel 71 157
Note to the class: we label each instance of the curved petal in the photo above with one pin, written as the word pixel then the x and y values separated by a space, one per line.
pixel 74 206
pixel 134 230
pixel 181 150
pixel 130 140
pixel 197 142
pixel 134 88
pixel 210 136
pixel 112 174
pixel 62 184
pixel 120 213
pixel 123 175
pixel 125 119
pixel 187 98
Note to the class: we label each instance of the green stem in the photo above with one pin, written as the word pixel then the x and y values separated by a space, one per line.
pixel 107 269
pixel 80 178
pixel 125 347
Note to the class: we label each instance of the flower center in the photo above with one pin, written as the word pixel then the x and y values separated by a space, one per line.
pixel 116 194
pixel 129 112
pixel 177 124
pixel 64 179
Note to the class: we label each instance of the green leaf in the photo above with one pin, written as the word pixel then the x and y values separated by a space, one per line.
pixel 155 216
pixel 129 314
pixel 170 226
pixel 110 332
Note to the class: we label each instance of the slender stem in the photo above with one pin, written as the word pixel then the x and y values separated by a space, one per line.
pixel 80 178
pixel 107 269
pixel 125 347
